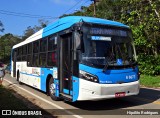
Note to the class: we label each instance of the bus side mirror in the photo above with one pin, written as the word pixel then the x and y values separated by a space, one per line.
pixel 77 41
pixel 79 45
pixel 76 44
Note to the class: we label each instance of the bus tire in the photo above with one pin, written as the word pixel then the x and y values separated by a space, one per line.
pixel 52 89
pixel 18 75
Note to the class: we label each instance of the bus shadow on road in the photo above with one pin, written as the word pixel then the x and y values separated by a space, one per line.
pixel 145 96
pixel 10 85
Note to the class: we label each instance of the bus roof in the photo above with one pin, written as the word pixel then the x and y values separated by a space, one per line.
pixel 65 23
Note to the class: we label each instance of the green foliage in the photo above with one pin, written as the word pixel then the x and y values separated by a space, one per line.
pixel 7 41
pixel 150 81
pixel 31 30
pixel 149 64
pixel 143 17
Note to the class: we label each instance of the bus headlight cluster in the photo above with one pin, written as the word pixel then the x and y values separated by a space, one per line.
pixel 88 76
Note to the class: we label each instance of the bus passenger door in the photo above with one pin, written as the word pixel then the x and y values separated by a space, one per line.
pixel 68 69
pixel 64 66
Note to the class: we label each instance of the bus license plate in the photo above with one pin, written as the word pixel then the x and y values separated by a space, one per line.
pixel 120 94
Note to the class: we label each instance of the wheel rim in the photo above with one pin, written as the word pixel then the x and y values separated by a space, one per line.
pixel 52 88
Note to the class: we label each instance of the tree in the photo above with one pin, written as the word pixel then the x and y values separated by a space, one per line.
pixel 143 18
pixel 28 32
pixel 7 42
pixel 31 30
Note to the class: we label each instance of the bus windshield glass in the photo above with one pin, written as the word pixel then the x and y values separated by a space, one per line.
pixel 108 46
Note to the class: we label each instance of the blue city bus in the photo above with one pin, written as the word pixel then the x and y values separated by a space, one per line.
pixel 79 58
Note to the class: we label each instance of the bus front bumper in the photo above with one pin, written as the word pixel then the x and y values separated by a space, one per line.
pixel 95 91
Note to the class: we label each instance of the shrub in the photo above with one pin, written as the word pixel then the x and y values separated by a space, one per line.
pixel 149 64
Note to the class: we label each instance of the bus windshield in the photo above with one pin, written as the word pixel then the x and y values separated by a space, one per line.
pixel 115 49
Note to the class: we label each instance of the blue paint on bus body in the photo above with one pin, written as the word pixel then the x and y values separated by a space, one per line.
pixel 112 76
pixel 44 73
pixel 29 74
pixel 66 91
pixel 75 83
pixel 67 22
pixel 56 81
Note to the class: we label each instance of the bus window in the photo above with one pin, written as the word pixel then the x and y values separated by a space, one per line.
pixel 35 60
pixel 24 52
pixel 52 59
pixel 29 48
pixel 29 60
pixel 13 51
pixel 42 59
pixel 52 43
pixel 19 54
pixel 29 56
pixel 43 45
pixel 35 47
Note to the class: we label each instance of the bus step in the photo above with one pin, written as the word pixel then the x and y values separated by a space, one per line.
pixel 66 97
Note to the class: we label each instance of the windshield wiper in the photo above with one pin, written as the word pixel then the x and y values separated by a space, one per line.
pixel 131 62
pixel 106 65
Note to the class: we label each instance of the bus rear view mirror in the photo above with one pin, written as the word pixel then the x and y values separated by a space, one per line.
pixel 77 41
pixel 77 44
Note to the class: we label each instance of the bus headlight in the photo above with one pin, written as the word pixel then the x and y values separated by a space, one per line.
pixel 88 76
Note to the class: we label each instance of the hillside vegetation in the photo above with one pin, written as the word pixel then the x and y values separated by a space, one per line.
pixel 143 17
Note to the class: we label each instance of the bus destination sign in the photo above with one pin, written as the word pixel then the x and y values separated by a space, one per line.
pixel 112 32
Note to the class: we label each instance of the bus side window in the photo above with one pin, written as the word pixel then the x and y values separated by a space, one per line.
pixel 29 60
pixel 51 61
pixel 35 60
pixel 52 53
pixel 42 54
pixel 54 60
pixel 36 46
pixel 42 59
pixel 13 51
pixel 29 56
pixel 24 52
pixel 19 54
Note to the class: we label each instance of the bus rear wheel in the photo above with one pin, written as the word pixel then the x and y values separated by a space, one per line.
pixel 52 89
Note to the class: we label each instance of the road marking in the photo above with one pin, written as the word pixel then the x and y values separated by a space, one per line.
pixel 51 103
pixel 147 100
pixel 158 88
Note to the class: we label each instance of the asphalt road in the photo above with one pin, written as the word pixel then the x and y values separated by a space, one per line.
pixel 147 102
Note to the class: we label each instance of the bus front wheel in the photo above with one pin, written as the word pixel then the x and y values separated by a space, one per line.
pixel 52 89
